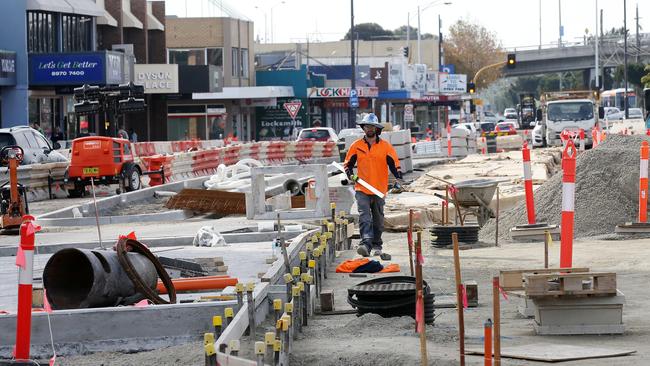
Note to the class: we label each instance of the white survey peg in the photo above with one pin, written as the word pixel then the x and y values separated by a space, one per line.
pixel 360 181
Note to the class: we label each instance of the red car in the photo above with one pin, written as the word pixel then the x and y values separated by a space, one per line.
pixel 508 127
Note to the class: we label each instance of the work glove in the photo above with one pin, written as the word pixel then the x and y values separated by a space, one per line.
pixel 352 177
pixel 397 187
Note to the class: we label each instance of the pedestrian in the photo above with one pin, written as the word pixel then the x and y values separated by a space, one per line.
pixel 373 157
pixel 57 135
pixel 121 133
pixel 133 136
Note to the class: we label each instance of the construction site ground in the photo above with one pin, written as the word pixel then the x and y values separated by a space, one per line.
pixel 372 340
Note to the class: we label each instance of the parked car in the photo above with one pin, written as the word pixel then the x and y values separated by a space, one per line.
pixel 635 113
pixel 507 126
pixel 538 135
pixel 317 134
pixel 37 149
pixel 350 133
pixel 487 126
pixel 469 127
pixel 489 117
pixel 509 110
pixel 613 114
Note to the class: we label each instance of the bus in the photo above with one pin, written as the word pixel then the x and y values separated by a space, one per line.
pixel 614 98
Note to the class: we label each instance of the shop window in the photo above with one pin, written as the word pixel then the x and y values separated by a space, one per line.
pixel 235 61
pixel 215 56
pixel 187 56
pixel 244 63
pixel 76 33
pixel 41 32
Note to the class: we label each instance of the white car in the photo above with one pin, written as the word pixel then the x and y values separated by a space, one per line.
pixel 318 134
pixel 509 111
pixel 538 134
pixel 489 117
pixel 354 133
pixel 635 113
pixel 613 114
pixel 469 127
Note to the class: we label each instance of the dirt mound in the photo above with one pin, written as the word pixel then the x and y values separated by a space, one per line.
pixel 606 192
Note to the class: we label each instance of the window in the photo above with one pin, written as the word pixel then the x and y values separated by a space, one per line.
pixel 187 57
pixel 235 62
pixel 21 140
pixel 42 143
pixel 76 33
pixel 41 32
pixel 215 56
pixel 31 140
pixel 244 62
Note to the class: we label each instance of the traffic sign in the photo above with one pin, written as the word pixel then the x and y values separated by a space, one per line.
pixel 408 113
pixel 293 108
pixel 354 98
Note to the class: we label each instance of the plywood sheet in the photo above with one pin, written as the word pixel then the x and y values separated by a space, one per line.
pixel 547 352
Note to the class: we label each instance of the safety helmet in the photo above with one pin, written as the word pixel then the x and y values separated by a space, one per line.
pixel 370 119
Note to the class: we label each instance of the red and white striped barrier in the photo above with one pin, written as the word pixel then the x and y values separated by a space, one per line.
pixel 448 138
pixel 484 148
pixel 568 203
pixel 25 263
pixel 643 183
pixel 595 137
pixel 528 184
pixel 582 140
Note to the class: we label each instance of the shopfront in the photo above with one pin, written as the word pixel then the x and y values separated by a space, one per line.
pixel 7 75
pixel 331 105
pixel 274 122
pixel 52 78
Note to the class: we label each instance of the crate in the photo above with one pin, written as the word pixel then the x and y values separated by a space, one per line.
pixel 569 284
pixel 513 280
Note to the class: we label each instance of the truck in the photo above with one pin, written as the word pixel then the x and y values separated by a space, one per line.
pixel 526 111
pixel 567 110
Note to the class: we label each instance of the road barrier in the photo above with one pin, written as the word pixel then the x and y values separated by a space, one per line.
pixel 643 183
pixel 528 184
pixel 25 263
pixel 568 203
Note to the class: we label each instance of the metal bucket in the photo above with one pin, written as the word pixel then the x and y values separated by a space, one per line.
pixel 483 188
pixel 81 278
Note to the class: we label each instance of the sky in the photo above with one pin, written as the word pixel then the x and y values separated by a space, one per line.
pixel 515 22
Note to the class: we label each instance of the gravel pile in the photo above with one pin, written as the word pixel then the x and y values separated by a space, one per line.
pixel 606 192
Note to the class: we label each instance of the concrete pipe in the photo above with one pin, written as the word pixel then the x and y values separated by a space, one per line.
pixel 81 278
pixel 293 186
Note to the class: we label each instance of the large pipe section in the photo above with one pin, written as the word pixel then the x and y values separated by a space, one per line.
pixel 81 278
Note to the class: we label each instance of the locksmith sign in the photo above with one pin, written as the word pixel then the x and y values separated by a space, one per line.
pixel 332 92
pixel 157 78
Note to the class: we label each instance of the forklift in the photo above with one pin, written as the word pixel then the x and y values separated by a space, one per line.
pixel 13 195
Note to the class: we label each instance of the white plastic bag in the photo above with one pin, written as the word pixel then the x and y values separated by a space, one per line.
pixel 208 236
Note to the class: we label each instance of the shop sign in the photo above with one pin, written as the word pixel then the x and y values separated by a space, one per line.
pixel 95 68
pixel 432 82
pixel 7 68
pixel 452 83
pixel 409 116
pixel 274 123
pixel 157 78
pixel 334 92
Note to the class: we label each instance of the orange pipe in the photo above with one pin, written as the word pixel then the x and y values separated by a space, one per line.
pixel 199 283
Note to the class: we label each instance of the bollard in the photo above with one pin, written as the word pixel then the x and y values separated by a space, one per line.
pixel 217 323
pixel 582 139
pixel 295 292
pixel 568 203
pixel 250 287
pixel 643 183
pixel 487 344
pixel 269 340
pixel 25 263
pixel 528 184
pixel 228 313
pixel 260 350
pixel 210 353
pixel 239 289
pixel 234 347
pixel 448 139
pixel 277 347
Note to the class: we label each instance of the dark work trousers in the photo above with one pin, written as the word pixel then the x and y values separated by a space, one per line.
pixel 371 219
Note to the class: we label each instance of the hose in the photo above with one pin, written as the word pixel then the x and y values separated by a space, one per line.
pixel 125 245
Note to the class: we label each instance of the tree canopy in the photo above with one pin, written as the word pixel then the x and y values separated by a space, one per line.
pixel 374 31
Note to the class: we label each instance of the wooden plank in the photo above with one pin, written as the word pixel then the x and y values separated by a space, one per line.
pixel 547 352
pixel 558 284
pixel 512 280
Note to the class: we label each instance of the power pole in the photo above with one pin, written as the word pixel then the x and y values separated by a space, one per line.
pixel 638 40
pixel 540 24
pixel 597 83
pixel 559 6
pixel 352 118
pixel 627 113
pixel 439 42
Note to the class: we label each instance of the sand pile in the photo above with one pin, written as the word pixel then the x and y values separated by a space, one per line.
pixel 606 194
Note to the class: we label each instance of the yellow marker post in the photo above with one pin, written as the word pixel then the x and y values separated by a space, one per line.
pixel 217 323
pixel 210 352
pixel 228 313
pixel 234 347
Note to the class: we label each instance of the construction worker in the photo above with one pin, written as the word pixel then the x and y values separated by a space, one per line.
pixel 373 157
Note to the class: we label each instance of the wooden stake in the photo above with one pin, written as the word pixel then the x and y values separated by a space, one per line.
pixel 457 209
pixel 546 236
pixel 496 327
pixel 447 207
pixel 283 248
pixel 420 299
pixel 496 232
pixel 459 300
pixel 410 240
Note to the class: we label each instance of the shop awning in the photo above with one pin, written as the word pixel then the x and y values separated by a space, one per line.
pixel 59 6
pixel 86 7
pixel 248 92
pixel 106 18
pixel 128 19
pixel 152 22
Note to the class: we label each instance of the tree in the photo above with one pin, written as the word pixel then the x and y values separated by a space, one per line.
pixel 369 32
pixel 471 47
pixel 645 80
pixel 634 74
pixel 401 33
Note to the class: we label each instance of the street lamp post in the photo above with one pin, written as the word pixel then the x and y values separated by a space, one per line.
pixel 627 112
pixel 437 2
pixel 352 117
pixel 271 10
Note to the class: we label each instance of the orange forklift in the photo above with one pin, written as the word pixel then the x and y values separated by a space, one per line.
pixel 13 195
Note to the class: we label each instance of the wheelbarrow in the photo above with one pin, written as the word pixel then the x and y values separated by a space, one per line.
pixel 474 197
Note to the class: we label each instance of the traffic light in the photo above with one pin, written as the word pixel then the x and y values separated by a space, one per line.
pixel 471 88
pixel 405 51
pixel 512 61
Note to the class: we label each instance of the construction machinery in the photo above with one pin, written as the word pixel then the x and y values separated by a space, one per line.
pixel 526 110
pixel 13 195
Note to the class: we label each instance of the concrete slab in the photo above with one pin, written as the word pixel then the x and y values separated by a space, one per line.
pixel 633 228
pixel 535 232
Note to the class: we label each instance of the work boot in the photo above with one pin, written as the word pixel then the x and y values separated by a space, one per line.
pixel 363 250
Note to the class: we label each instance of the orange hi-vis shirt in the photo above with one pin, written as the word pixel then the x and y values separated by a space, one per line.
pixel 373 163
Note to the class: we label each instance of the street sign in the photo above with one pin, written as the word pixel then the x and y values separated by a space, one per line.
pixel 354 98
pixel 408 113
pixel 293 108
